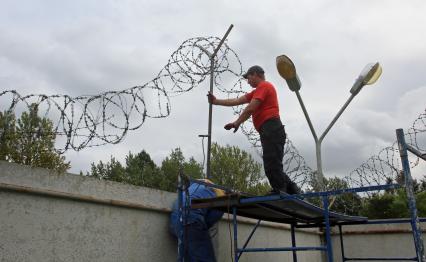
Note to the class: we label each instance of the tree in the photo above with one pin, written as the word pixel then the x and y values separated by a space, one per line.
pixel 378 206
pixel 30 140
pixel 421 203
pixel 237 169
pixel 140 170
pixel 348 203
pixel 423 184
pixel 386 205
pixel 231 167
pixel 392 205
pixel 173 164
pixel 112 170
pixel 7 136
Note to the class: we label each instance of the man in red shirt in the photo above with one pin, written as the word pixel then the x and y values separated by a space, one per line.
pixel 264 110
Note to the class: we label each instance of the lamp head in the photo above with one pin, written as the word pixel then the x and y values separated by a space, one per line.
pixel 368 76
pixel 287 70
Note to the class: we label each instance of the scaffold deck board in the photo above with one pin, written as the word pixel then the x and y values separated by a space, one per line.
pixel 289 211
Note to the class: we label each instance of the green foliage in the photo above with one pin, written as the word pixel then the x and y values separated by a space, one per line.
pixel 389 204
pixel 386 205
pixel 348 203
pixel 170 168
pixel 421 203
pixel 141 170
pixel 236 168
pixel 231 167
pixel 112 170
pixel 392 205
pixel 423 184
pixel 30 140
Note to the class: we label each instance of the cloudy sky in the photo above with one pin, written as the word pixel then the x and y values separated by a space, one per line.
pixel 88 47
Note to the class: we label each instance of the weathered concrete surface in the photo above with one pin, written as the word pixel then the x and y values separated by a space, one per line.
pixel 391 240
pixel 37 227
pixel 267 236
pixel 93 220
pixel 40 228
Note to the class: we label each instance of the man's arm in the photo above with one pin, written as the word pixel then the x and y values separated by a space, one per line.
pixel 247 112
pixel 227 102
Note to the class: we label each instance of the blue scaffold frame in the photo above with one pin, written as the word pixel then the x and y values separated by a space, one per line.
pixel 414 220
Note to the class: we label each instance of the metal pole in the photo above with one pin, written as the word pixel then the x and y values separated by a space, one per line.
pixel 336 117
pixel 234 218
pixel 181 241
pixel 327 229
pixel 212 62
pixel 320 174
pixel 293 242
pixel 305 112
pixel 209 135
pixel 342 246
pixel 416 152
pixel 249 237
pixel 318 142
pixel 415 223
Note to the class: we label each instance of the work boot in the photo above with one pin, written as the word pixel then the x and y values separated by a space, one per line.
pixel 277 192
pixel 293 189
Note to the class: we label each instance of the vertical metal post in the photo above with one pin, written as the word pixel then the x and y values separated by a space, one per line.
pixel 327 229
pixel 181 241
pixel 342 246
pixel 209 136
pixel 234 220
pixel 293 242
pixel 317 145
pixel 212 63
pixel 415 223
pixel 319 142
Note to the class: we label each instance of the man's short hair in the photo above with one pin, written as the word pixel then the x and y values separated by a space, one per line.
pixel 254 70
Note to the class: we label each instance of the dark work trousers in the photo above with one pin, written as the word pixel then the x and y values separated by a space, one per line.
pixel 272 137
pixel 199 244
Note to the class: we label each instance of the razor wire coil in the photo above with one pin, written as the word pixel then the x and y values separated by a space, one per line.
pixel 94 120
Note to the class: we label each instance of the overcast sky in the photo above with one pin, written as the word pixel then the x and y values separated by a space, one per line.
pixel 88 47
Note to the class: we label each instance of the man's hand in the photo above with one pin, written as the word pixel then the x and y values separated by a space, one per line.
pixel 234 125
pixel 211 98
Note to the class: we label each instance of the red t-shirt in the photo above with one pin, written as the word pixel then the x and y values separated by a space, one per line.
pixel 268 108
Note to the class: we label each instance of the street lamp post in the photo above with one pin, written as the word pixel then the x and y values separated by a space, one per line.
pixel 287 70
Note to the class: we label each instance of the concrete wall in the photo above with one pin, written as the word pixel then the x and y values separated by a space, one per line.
pixel 37 227
pixel 391 240
pixel 62 217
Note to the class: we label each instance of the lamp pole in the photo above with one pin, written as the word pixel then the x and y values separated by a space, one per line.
pixel 318 141
pixel 287 70
pixel 212 57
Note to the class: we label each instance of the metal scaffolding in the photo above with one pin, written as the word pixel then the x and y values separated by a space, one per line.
pixel 291 209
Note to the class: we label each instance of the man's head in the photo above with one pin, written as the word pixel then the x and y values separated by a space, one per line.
pixel 254 75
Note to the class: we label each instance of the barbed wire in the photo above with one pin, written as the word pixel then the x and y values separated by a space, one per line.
pixel 94 120
pixel 379 169
pixel 385 166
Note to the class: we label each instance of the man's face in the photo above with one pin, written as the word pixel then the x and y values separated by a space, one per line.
pixel 253 80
